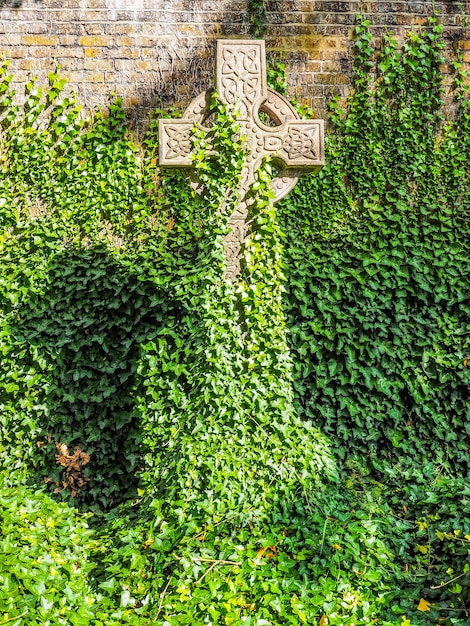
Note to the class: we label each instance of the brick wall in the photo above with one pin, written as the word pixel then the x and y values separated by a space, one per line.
pixel 162 51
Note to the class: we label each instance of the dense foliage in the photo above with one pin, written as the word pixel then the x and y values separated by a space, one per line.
pixel 44 563
pixel 289 449
pixel 378 291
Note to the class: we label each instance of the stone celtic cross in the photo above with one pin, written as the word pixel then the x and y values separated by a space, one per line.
pixel 269 122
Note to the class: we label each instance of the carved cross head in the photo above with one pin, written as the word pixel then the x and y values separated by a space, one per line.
pixel 269 122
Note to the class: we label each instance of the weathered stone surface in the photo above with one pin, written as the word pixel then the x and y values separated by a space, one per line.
pixel 296 145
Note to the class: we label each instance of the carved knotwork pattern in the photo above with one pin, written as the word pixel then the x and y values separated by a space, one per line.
pixel 241 77
pixel 178 142
pixel 301 143
pixel 233 244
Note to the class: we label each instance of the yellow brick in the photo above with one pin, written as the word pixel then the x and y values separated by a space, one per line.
pixel 142 41
pixel 22 76
pixel 92 52
pixel 101 89
pixel 124 65
pixel 12 52
pixel 27 64
pixel 123 53
pixel 96 77
pixel 151 53
pixel 144 65
pixel 38 40
pixel 124 41
pixel 40 52
pixel 121 28
pixel 70 52
pixel 190 29
pixel 72 77
pixel 331 43
pixel 331 79
pixel 96 41
pixel 98 64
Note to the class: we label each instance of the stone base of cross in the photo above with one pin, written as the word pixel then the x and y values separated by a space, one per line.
pixel 296 145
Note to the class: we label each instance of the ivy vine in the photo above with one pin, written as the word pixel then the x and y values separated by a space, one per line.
pixel 257 14
pixel 290 449
pixel 378 276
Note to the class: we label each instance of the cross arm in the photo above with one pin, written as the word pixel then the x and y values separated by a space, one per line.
pixel 175 142
pixel 298 144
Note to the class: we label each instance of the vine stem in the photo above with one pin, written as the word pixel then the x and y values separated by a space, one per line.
pixel 12 619
pixel 448 582
pixel 214 563
pixel 162 597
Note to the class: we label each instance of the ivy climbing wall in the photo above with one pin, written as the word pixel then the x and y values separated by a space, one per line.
pixel 161 51
pixel 309 428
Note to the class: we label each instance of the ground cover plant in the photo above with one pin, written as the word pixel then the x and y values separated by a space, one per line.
pixel 292 449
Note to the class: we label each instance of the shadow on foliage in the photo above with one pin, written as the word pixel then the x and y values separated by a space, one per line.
pixel 85 330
